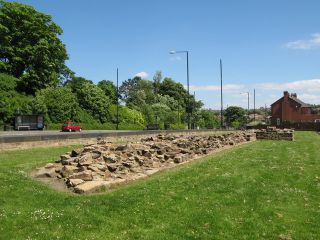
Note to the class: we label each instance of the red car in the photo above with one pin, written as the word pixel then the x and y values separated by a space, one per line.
pixel 71 127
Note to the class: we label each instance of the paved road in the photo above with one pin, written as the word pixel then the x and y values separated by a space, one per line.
pixel 57 133
pixel 33 136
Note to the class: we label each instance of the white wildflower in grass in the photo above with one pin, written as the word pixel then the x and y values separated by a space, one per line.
pixel 45 215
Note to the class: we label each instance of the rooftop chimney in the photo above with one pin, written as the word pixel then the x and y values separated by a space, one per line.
pixel 285 93
pixel 294 95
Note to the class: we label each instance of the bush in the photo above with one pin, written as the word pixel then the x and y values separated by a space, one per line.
pixel 236 124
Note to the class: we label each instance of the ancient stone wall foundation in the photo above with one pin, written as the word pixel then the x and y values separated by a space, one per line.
pixel 272 133
pixel 103 164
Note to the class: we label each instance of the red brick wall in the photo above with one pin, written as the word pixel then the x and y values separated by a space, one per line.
pixel 288 110
pixel 276 112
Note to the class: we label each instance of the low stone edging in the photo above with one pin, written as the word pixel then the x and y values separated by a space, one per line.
pixel 272 133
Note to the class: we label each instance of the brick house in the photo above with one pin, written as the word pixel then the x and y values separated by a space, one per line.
pixel 290 109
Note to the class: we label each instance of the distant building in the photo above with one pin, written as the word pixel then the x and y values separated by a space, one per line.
pixel 290 109
pixel 257 117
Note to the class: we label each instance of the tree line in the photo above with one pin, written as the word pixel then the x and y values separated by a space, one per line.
pixel 34 79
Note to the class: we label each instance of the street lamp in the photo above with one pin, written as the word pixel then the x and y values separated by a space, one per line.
pixel 188 100
pixel 248 94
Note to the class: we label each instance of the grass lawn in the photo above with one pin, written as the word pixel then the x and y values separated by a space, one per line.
pixel 262 190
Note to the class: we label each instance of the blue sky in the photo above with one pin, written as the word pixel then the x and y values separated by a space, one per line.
pixel 269 45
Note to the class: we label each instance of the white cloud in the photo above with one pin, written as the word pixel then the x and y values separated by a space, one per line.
pixel 142 75
pixel 309 98
pixel 227 87
pixel 311 85
pixel 305 44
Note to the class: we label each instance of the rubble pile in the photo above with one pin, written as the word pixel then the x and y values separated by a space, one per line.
pixel 272 133
pixel 103 164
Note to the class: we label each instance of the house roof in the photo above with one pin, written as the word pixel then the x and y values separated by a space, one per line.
pixel 301 103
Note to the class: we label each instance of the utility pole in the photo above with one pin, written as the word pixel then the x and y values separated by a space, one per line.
pixel 265 113
pixel 194 107
pixel 221 99
pixel 248 106
pixel 189 108
pixel 117 127
pixel 254 105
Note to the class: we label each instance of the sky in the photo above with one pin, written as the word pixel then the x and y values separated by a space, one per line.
pixel 267 45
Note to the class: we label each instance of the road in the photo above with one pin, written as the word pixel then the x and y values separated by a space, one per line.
pixel 36 136
pixel 58 133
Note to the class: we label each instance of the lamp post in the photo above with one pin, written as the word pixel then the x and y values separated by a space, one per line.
pixel 248 94
pixel 188 100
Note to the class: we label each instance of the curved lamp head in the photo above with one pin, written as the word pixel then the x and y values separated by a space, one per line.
pixel 173 52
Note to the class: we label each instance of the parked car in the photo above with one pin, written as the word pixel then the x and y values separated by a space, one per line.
pixel 71 127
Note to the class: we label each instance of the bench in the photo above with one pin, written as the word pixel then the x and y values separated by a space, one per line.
pixel 23 127
pixel 153 127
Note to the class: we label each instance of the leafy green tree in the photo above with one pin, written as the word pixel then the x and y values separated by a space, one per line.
pixel 30 48
pixel 91 98
pixel 94 101
pixel 110 90
pixel 208 119
pixel 128 87
pixel 7 83
pixel 137 99
pixel 127 115
pixel 157 81
pixel 58 103
pixel 169 101
pixel 174 90
pixel 161 112
pixel 12 102
pixel 76 83
pixel 235 114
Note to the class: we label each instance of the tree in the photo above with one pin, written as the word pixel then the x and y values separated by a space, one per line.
pixel 127 116
pixel 58 103
pixel 11 102
pixel 76 83
pixel 174 90
pixel 157 81
pixel 94 101
pixel 208 119
pixel 30 48
pixel 110 90
pixel 7 83
pixel 235 114
pixel 128 87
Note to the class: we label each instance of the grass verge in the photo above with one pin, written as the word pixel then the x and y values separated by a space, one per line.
pixel 262 190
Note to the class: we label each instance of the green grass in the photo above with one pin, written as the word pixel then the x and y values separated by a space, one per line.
pixel 262 190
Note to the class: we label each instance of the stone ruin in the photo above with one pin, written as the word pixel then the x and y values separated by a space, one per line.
pixel 104 164
pixel 272 133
